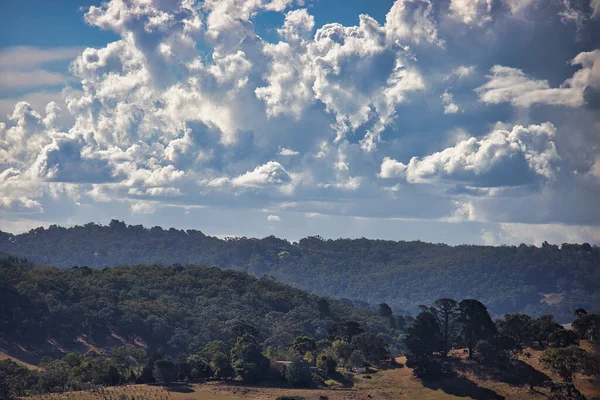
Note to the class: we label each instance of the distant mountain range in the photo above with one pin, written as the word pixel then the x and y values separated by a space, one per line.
pixel 547 280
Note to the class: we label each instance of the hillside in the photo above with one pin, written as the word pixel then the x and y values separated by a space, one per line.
pixel 178 309
pixel 547 280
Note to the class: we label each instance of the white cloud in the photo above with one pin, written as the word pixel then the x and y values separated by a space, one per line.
pixel 269 174
pixel 471 12
pixel 516 233
pixel 462 71
pixel 501 158
pixel 391 168
pixel 21 67
pixel 30 57
pixel 191 103
pixel 448 100
pixel 512 85
pixel 143 207
pixel 357 72
pixel 287 152
pixel 595 6
pixel 11 79
pixel 273 218
pixel 411 21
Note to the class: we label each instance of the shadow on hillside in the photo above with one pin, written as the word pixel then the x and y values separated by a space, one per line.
pixel 514 373
pixel 462 387
pixel 342 379
pixel 179 388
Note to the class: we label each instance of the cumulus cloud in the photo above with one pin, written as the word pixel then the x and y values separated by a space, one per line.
pixel 359 73
pixel 190 103
pixel 269 174
pixel 391 168
pixel 471 12
pixel 512 85
pixel 501 158
pixel 411 21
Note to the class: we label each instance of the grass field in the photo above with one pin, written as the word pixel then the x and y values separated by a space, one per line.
pixel 391 383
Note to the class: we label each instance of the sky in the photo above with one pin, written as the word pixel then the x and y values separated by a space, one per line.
pixel 454 121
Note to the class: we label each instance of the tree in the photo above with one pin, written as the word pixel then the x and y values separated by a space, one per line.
pixel 385 310
pixel 345 330
pixel 358 359
pixel 475 323
pixel 327 361
pixel 587 326
pixel 15 380
pixel 197 367
pixel 542 327
pixel 221 366
pixel 423 339
pixel 147 375
pixel 54 374
pixel 324 310
pixel 304 344
pixel 297 373
pixel 342 351
pixel 248 360
pixel 446 312
pixel 372 347
pixel 568 361
pixel 129 359
pixel 580 312
pixel 517 326
pixel 563 338
pixel 165 371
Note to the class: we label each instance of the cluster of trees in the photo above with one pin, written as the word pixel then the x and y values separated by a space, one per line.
pixel 450 324
pixel 508 279
pixel 242 357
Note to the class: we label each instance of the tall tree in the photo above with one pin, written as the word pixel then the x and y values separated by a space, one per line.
pixel 475 323
pixel 446 311
pixel 372 347
pixel 423 340
pixel 248 360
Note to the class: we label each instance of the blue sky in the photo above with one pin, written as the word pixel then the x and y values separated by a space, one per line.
pixel 447 121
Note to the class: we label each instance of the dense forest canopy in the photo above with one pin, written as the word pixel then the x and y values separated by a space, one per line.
pixel 547 280
pixel 175 308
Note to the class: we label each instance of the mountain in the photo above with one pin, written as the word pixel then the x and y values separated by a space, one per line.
pixel 547 280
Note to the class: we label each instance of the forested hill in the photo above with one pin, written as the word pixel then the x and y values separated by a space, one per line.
pixel 547 280
pixel 175 308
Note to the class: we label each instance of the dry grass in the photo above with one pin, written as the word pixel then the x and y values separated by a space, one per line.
pixel 388 384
